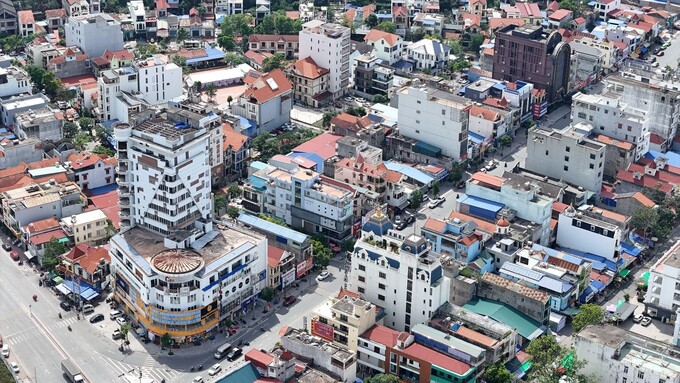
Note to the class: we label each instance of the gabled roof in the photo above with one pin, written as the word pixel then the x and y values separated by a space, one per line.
pixel 643 199
pixel 232 138
pixel 381 335
pixel 42 225
pixel 273 38
pixel 528 9
pixel 260 359
pixel 274 255
pixel 272 84
pixel 257 57
pixel 59 13
pixel 83 160
pixel 308 68
pixel 485 113
pixel 499 22
pixel 560 14
pixel 88 256
pixel 553 6
pixel 353 123
pixel 25 17
pixel 375 35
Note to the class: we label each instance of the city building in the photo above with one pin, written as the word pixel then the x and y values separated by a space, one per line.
pixel 329 46
pixel 562 294
pixel 26 150
pixel 588 234
pixel 35 202
pixel 92 170
pixel 663 291
pixel 389 47
pixel 340 362
pixel 310 82
pixel 229 7
pixel 618 155
pixel 43 123
pixel 528 300
pixel 610 116
pixel 279 364
pixel 586 65
pixel 76 7
pixel 14 81
pixel 8 17
pixel 514 58
pixel 55 19
pixel 112 60
pixel 341 320
pixel 9 107
pixel 609 53
pixel 615 355
pixel 436 118
pixel 567 154
pixel 428 54
pixel 236 149
pixel 287 45
pixel 384 259
pixel 36 235
pixel 88 265
pixel 94 34
pixel 267 102
pixel 370 78
pixel 176 271
pixel 26 23
pixel 90 227
pixel 603 8
pixel 280 268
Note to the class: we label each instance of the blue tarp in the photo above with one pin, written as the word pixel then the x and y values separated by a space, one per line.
pixel 103 189
pixel 476 138
pixel 482 203
pixel 597 286
pixel 403 65
pixel 410 172
pixel 587 295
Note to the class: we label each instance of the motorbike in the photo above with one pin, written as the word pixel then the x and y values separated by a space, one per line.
pixel 40 283
pixel 59 315
pixel 246 343
pixel 262 329
pixel 69 328
pixel 35 298
pixel 240 342
pixel 192 369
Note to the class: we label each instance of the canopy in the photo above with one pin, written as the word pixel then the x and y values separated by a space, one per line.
pixel 63 289
pixel 86 291
pixel 51 275
pixel 624 273
pixel 57 279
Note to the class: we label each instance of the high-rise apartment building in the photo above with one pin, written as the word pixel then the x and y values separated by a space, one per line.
pixel 328 45
pixel 531 54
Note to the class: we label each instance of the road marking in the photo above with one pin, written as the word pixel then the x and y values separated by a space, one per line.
pixel 150 361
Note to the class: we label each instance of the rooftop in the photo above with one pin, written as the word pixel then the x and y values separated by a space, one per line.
pixel 84 218
pixel 528 292
pixel 525 326
pixel 323 346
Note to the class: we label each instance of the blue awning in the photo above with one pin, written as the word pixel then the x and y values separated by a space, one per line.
pixel 428 22
pixel 476 138
pixel 630 249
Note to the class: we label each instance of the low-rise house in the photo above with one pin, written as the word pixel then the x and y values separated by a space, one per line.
pixel 342 319
pixel 112 60
pixel 43 123
pixel 427 54
pixel 288 45
pixel 339 362
pixel 561 18
pixel 93 170
pixel 267 101
pixel 310 82
pixel 90 227
pixel 14 152
pixel 91 266
pixel 428 23
pixel 55 19
pixel 454 237
pixel 358 127
pixel 14 81
pixel 236 150
pixel 76 7
pixel 36 235
pixel 27 24
pixel 389 47
pixel 279 364
pixel 72 63
pixel 584 233
pixel 280 268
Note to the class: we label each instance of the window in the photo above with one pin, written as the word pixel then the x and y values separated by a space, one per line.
pixel 381 297
pixel 592 156
pixel 362 267
pixel 641 375
pixel 362 279
pixel 568 149
pixel 546 152
pixel 566 168
pixel 578 223
pixel 625 369
pixel 592 166
pixel 382 275
pixel 566 158
pixel 361 290
pixel 381 286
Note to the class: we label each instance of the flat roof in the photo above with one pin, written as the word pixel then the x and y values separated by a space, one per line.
pixel 452 342
pixel 269 227
pixel 525 326
pixel 86 217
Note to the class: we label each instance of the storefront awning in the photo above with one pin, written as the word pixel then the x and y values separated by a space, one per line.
pixel 57 279
pixel 63 289
pixel 624 273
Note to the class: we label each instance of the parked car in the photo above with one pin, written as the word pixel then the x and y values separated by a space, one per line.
pixel 234 354
pixel 65 305
pixel 638 318
pixel 491 165
pixel 323 275
pixel 96 318
pixel 5 351
pixel 290 300
pixel 436 202
pixel 6 247
pixel 198 379
pixel 660 53
pixel 117 335
pixel 215 369
pixel 15 367
pixel 115 314
pixel 646 321
pixel 397 219
pixel 121 321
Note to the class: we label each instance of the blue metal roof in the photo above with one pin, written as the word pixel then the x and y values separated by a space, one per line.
pixel 312 157
pixel 402 64
pixel 408 171
pixel 599 263
pixel 211 54
pixel 597 286
pixel 630 249
pixel 246 374
pixel 673 157
pixel 474 137
pixel 428 22
pixel 499 86
pixel 482 203
pixel 558 254
pixel 273 228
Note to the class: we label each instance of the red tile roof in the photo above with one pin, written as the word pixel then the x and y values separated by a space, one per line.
pixel 274 255
pixel 88 256
pixel 435 225
pixel 643 199
pixel 83 160
pixel 42 225
pixel 293 15
pixel 273 38
pixel 484 226
pixel 436 358
pixel 256 57
pixel 113 214
pixel 499 22
pixel 488 179
pixel 353 123
pixel 553 6
pixel 393 177
pixel 485 113
pixel 580 20
pixel 559 206
pixel 528 9
pixel 259 358
pixel 476 337
pixel 375 35
pixel 25 17
pixel 308 68
pixel 105 200
pixel 59 13
pixel 647 27
pixel 381 335
pixel 611 141
pixel 323 145
pixel 347 293
pixel 271 85
pixel 560 14
pixel 232 138
pixel 39 239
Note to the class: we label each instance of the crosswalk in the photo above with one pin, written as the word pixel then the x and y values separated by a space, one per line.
pixel 148 370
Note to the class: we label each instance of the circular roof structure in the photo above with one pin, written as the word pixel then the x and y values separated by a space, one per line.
pixel 177 261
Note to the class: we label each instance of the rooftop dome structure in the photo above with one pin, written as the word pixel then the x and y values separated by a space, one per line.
pixel 378 223
pixel 503 222
pixel 177 261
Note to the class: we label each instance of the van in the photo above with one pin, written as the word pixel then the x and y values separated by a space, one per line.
pixel 222 351
pixel 87 309
pixel 115 314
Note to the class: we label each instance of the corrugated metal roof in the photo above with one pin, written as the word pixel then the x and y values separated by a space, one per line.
pixel 482 203
pixel 525 326
pixel 409 171
pixel 273 228
pixel 443 338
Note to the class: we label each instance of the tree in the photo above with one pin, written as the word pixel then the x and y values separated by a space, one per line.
pixel 124 331
pixel 382 378
pixel 476 41
pixel 644 217
pixel 371 21
pixel 70 130
pixel 552 362
pixel 458 64
pixel 53 249
pixel 273 62
pixel 327 117
pixel 322 254
pixel 229 100
pixel 233 59
pixel 166 340
pixel 234 191
pixel 358 111
pixel 101 134
pixel 45 80
pixel 197 87
pixel 81 139
pixel 86 124
pixel 219 203
pixel 588 314
pixel 381 99
pixel 505 140
pixel 233 212
pixel 226 42
pixel 497 373
pixel 182 34
pixel 211 91
pixel 348 245
pixel 416 199
pixel 180 61
pixel 435 188
pixel 268 293
pixel 275 220
pixel 387 26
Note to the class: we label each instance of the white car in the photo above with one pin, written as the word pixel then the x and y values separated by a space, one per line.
pixel 121 321
pixel 323 275
pixel 435 202
pixel 638 318
pixel 5 351
pixel 15 367
pixel 115 314
pixel 215 369
pixel 198 379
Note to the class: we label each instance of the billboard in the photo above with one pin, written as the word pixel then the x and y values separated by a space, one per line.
pixel 287 278
pixel 174 318
pixel 303 267
pixel 322 330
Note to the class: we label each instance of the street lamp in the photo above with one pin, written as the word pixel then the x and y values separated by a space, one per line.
pixel 30 310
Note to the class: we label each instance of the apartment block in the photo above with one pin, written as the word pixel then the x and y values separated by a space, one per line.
pixel 568 155
pixel 588 234
pixel 342 319
pixel 663 292
pixel 267 101
pixel 370 78
pixel 530 301
pixel 339 362
pixel 14 81
pixel 328 45
pixel 90 227
pixel 43 123
pixel 94 34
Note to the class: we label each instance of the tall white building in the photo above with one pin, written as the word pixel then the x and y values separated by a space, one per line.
pixel 614 355
pixel 229 7
pixel 585 233
pixel 567 154
pixel 399 273
pixel 176 271
pixel 663 290
pixel 94 34
pixel 435 117
pixel 329 46
pixel 14 81
pixel 609 115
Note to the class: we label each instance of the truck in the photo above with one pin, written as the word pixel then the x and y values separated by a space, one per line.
pixel 71 371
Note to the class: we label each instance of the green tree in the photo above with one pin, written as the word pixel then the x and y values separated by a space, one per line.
pixel 456 173
pixel 81 140
pixel 381 99
pixel 182 34
pixel 211 91
pixel 458 64
pixel 233 212
pixel 226 42
pixel 358 111
pixel 86 124
pixel 220 203
pixel 233 59
pixel 588 314
pixel 371 21
pixel 197 87
pixel 416 199
pixel 125 330
pixel 505 140
pixel 180 61
pixel 322 254
pixel 387 26
pixel 273 62
pixel 70 130
pixel 272 219
pixel 327 117
pixel 435 188
pixel 644 217
pixel 45 81
pixel 234 191
pixel 382 378
pixel 53 250
pixel 101 134
pixel 550 362
pixel 497 373
pixel 348 245
pixel 268 293
pixel 229 100
pixel 476 41
pixel 166 340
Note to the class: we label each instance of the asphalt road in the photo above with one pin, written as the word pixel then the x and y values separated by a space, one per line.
pixel 672 54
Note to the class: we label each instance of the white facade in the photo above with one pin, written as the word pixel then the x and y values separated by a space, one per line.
pixel 229 7
pixel 427 54
pixel 603 7
pixel 580 232
pixel 568 155
pixel 388 47
pixel 14 81
pixel 663 290
pixel 435 117
pixel 138 15
pixel 610 116
pixel 397 273
pixel 615 355
pixel 609 50
pixel 159 81
pixel 90 226
pixel 329 45
pixel 94 34
pixel 91 171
